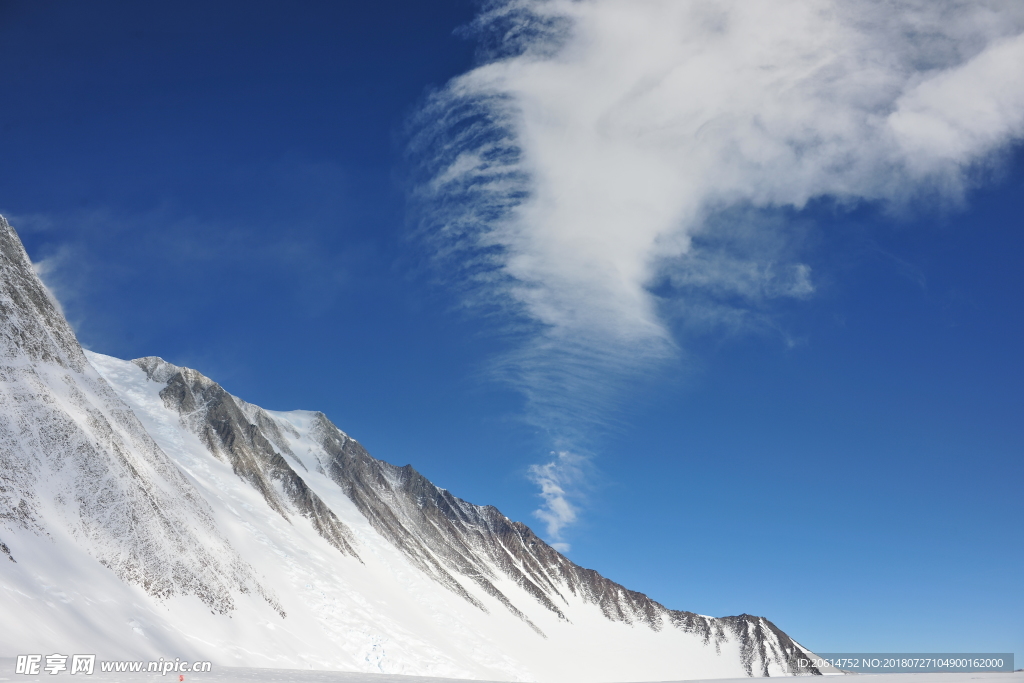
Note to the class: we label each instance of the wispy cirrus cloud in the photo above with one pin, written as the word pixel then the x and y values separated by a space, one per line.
pixel 558 479
pixel 611 166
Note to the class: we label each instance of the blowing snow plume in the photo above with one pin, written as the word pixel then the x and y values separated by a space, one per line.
pixel 604 149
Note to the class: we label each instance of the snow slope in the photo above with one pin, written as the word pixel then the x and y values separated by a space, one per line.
pixel 145 512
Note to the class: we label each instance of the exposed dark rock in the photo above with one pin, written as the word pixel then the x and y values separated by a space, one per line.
pixel 6 551
pixel 220 422
pixel 761 642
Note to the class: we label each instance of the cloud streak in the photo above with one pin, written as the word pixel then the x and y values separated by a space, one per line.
pixel 612 168
pixel 557 480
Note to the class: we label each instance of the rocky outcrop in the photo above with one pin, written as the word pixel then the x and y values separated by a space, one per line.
pixel 7 551
pixel 221 423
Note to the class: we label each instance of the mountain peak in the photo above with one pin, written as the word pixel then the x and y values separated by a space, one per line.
pixel 34 328
pixel 79 467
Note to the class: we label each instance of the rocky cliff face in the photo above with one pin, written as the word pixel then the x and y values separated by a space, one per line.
pixel 217 418
pixel 179 488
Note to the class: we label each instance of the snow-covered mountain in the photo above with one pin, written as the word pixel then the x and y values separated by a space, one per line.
pixel 145 512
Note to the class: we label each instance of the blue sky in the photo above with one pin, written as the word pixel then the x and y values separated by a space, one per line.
pixel 781 363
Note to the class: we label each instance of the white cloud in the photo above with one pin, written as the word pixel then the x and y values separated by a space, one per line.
pixel 592 159
pixel 556 479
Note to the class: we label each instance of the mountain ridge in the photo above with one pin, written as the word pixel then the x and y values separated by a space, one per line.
pixel 186 492
pixel 616 602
